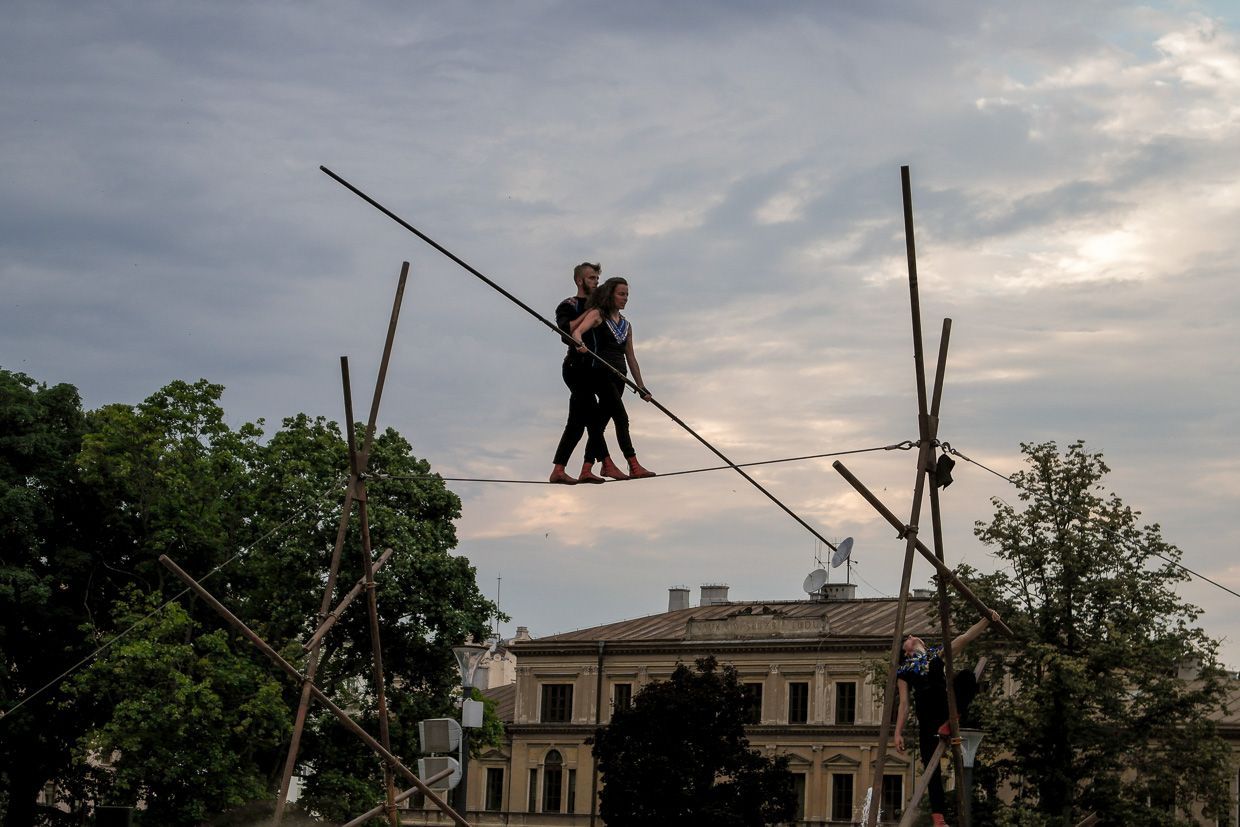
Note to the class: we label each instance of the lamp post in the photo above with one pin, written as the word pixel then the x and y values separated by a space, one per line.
pixel 468 656
pixel 970 740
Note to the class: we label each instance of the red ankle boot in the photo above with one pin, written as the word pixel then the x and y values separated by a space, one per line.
pixel 587 475
pixel 636 471
pixel 560 476
pixel 610 470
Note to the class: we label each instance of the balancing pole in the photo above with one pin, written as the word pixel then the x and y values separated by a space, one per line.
pixel 560 335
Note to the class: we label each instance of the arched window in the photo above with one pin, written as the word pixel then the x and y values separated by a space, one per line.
pixel 553 781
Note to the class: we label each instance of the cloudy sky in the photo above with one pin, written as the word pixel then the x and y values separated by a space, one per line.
pixel 1074 170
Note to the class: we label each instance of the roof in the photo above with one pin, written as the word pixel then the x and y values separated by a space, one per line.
pixel 790 619
pixel 505 698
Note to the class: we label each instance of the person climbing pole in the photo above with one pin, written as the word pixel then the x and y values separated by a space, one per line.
pixel 583 413
pixel 611 337
pixel 921 671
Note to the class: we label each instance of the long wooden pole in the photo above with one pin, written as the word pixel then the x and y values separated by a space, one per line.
pixel 943 569
pixel 927 428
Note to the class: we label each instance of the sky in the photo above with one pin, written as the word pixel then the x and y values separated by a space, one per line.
pixel 1074 172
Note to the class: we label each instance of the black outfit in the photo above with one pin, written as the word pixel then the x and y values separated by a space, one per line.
pixel 583 408
pixel 928 685
pixel 608 340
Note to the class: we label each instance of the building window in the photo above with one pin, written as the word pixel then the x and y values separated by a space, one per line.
pixel 798 702
pixel 621 695
pixel 495 789
pixel 842 797
pixel 846 702
pixel 553 780
pixel 557 703
pixel 753 702
pixel 892 807
pixel 798 789
pixel 533 796
pixel 572 792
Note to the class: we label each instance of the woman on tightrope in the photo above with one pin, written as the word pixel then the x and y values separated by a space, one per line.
pixel 921 672
pixel 604 330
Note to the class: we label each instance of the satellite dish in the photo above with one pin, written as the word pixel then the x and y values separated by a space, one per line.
pixel 814 581
pixel 842 551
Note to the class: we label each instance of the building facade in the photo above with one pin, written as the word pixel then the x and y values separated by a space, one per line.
pixel 805 665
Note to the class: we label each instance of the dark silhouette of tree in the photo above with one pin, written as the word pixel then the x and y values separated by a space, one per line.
pixel 679 755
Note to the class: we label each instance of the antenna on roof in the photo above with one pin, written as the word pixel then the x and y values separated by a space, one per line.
pixel 842 555
pixel 499 581
pixel 842 552
pixel 814 581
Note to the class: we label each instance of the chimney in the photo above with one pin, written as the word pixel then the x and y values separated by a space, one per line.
pixel 523 633
pixel 714 594
pixel 677 598
pixel 839 591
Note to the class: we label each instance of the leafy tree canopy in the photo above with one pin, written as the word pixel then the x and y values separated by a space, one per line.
pixel 1115 682
pixel 679 755
pixel 90 499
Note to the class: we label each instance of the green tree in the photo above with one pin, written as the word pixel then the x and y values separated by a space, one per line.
pixel 47 583
pixel 679 755
pixel 258 518
pixel 189 718
pixel 1115 684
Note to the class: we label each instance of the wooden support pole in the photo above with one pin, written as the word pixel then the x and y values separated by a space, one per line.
pixel 927 425
pixel 374 811
pixel 335 614
pixel 358 464
pixel 315 692
pixel 943 569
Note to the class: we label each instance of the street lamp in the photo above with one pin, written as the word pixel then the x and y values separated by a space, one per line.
pixel 970 740
pixel 468 656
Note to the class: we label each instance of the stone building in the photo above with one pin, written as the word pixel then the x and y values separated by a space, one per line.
pixel 805 665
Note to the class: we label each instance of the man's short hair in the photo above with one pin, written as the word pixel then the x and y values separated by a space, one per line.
pixel 579 272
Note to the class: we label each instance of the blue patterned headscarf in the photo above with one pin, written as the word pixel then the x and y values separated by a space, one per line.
pixel 918 663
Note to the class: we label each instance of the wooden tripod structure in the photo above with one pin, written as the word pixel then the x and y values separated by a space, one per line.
pixel 928 426
pixel 355 493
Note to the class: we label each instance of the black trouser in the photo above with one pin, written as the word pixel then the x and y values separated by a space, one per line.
pixel 610 391
pixel 928 739
pixel 583 414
